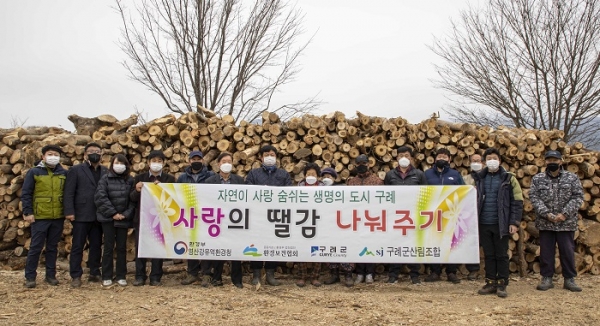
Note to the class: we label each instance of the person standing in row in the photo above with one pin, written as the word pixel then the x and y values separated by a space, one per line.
pixel 115 212
pixel 364 271
pixel 476 165
pixel 80 209
pixel 267 175
pixel 405 174
pixel 225 176
pixel 156 160
pixel 442 175
pixel 196 172
pixel 311 179
pixel 500 207
pixel 556 196
pixel 42 201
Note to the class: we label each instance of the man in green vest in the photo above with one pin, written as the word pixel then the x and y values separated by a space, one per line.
pixel 42 207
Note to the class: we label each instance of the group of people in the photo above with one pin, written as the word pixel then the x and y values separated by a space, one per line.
pixel 103 203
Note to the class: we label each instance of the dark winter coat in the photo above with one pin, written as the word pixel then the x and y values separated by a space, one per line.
pixel 186 176
pixel 414 177
pixel 234 179
pixel 448 177
pixel 112 197
pixel 80 189
pixel 264 177
pixel 367 179
pixel 42 192
pixel 136 196
pixel 563 194
pixel 510 199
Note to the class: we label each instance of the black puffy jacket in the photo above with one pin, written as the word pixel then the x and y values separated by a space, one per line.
pixel 112 197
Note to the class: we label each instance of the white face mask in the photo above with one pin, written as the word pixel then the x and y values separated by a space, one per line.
pixel 493 165
pixel 269 160
pixel 404 162
pixel 476 167
pixel 119 168
pixel 226 167
pixel 327 181
pixel 52 160
pixel 311 180
pixel 156 167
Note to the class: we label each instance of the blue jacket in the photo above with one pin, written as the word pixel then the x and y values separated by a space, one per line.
pixel 264 177
pixel 448 177
pixel 186 176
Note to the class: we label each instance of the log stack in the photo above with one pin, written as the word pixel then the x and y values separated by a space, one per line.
pixel 330 141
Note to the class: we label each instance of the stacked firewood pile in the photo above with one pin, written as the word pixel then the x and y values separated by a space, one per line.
pixel 331 140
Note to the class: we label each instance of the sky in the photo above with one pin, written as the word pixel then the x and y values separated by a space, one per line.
pixel 61 57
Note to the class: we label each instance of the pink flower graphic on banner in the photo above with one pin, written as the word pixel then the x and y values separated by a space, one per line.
pixel 452 217
pixel 160 215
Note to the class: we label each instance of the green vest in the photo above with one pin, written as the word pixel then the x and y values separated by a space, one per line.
pixel 48 196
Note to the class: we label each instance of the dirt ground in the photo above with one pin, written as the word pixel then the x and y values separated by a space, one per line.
pixel 440 303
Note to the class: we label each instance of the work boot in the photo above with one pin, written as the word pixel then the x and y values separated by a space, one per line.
pixel 94 279
pixel 349 281
pixel 51 280
pixel 501 289
pixel 271 278
pixel 432 277
pixel 140 282
pixel 205 281
pixel 189 279
pixel 76 282
pixel 392 279
pixel 334 276
pixel 369 279
pixel 315 282
pixel 30 284
pixel 256 276
pixel 474 275
pixel 545 283
pixel 359 279
pixel 490 287
pixel 453 278
pixel 415 280
pixel 571 285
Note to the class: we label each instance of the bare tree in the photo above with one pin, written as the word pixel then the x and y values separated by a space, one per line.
pixel 226 56
pixel 526 63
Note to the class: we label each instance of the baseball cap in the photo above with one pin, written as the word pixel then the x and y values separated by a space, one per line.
pixel 196 153
pixel 362 158
pixel 555 154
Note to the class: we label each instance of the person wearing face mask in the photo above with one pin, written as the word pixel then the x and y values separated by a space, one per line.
pixel 471 180
pixel 556 196
pixel 42 201
pixel 328 176
pixel 80 209
pixel 267 175
pixel 311 173
pixel 197 172
pixel 156 161
pixel 499 207
pixel 405 174
pixel 115 212
pixel 442 175
pixel 225 177
pixel 364 272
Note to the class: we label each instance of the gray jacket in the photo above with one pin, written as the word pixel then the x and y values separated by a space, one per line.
pixel 564 195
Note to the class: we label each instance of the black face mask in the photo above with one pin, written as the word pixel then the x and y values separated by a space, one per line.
pixel 362 169
pixel 196 166
pixel 94 158
pixel 440 164
pixel 553 167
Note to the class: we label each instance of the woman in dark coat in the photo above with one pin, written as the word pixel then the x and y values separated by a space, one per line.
pixel 115 212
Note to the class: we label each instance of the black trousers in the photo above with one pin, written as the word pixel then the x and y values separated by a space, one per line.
pixel 364 269
pixel 156 269
pixel 259 264
pixel 115 239
pixel 82 232
pixel 472 267
pixel 495 250
pixel 217 270
pixel 395 270
pixel 566 251
pixel 437 268
pixel 43 233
